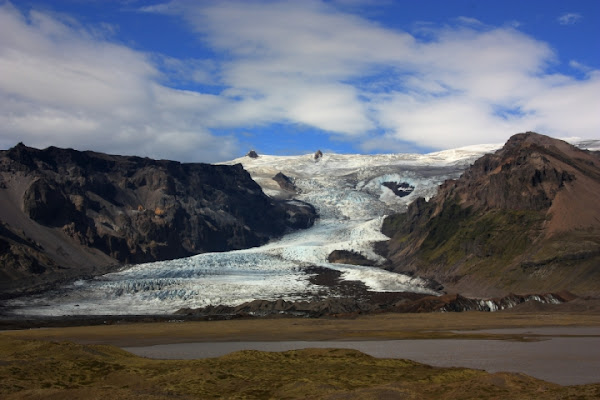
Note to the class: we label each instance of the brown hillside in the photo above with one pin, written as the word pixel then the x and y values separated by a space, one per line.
pixel 526 218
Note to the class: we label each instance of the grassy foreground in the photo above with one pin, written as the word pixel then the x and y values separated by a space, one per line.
pixel 32 369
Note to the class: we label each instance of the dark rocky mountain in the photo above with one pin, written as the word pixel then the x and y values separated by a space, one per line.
pixel 525 219
pixel 67 214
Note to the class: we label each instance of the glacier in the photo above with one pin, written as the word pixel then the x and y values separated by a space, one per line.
pixel 349 194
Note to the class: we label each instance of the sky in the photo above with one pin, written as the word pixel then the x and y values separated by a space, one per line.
pixel 207 81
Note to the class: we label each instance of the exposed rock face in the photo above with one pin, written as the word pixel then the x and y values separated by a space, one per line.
pixel 349 257
pixel 526 219
pixel 67 213
pixel 285 182
pixel 458 303
pixel 318 154
pixel 400 189
pixel 299 214
pixel 252 154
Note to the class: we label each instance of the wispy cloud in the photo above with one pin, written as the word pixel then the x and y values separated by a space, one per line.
pixel 317 66
pixel 569 18
pixel 469 21
pixel 306 63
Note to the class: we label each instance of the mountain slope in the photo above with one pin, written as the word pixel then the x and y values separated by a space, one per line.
pixel 526 218
pixel 67 214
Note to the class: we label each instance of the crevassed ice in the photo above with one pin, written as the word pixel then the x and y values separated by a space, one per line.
pixel 163 287
pixel 346 190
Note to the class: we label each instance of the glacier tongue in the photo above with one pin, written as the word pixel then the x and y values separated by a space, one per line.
pixel 352 201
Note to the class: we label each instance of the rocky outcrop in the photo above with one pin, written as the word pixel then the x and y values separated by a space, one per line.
pixel 318 155
pixel 299 214
pixel 400 189
pixel 349 257
pixel 285 182
pixel 526 218
pixel 458 303
pixel 67 213
pixel 252 154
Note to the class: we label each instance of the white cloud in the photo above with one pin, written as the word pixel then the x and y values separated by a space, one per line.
pixel 569 108
pixel 569 18
pixel 469 21
pixel 446 122
pixel 306 62
pixel 295 58
pixel 62 86
pixel 580 67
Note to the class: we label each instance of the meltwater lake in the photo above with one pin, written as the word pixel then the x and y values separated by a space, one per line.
pixel 567 356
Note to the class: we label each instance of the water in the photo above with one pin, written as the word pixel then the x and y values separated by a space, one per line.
pixel 562 360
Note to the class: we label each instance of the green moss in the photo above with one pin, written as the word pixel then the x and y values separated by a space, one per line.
pixel 394 224
pixel 503 249
pixel 496 236
pixel 573 245
pixel 439 245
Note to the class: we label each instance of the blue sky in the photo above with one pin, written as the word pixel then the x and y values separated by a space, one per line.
pixel 209 80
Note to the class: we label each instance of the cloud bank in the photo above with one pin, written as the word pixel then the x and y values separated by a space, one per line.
pixel 61 85
pixel 287 62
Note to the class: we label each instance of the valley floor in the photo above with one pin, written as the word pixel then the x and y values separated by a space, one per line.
pixel 388 326
pixel 39 363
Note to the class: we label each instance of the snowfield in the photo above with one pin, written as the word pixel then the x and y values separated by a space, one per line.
pixel 349 193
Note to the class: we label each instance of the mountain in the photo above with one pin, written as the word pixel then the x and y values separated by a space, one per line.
pixel 523 219
pixel 66 214
pixel 334 259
